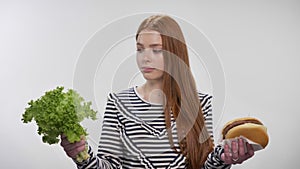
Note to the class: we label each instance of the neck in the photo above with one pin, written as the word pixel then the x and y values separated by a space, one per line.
pixel 152 91
pixel 149 86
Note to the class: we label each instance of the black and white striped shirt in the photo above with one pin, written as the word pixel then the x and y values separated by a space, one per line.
pixel 134 135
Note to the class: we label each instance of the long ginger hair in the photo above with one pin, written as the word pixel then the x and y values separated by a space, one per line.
pixel 181 94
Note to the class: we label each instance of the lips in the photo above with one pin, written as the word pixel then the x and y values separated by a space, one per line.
pixel 147 69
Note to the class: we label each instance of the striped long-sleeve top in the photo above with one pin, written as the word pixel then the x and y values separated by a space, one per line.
pixel 134 135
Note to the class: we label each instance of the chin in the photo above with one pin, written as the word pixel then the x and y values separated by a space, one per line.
pixel 147 77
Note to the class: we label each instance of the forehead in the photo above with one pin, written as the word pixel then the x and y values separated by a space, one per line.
pixel 149 37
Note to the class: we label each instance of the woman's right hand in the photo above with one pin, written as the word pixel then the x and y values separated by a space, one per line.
pixel 72 149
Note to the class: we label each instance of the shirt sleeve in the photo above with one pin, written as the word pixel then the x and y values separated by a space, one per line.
pixel 110 147
pixel 214 158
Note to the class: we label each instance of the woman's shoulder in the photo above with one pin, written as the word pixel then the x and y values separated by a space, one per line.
pixel 121 93
pixel 205 100
pixel 130 92
pixel 204 96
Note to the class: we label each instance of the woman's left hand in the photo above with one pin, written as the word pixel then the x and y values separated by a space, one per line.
pixel 237 153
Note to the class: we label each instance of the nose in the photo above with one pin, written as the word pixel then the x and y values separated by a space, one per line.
pixel 147 55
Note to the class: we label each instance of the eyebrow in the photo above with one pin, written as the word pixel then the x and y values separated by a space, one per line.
pixel 151 45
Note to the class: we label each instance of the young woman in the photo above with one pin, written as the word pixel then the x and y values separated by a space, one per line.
pixel 164 123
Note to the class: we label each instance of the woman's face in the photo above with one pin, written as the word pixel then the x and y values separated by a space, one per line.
pixel 150 55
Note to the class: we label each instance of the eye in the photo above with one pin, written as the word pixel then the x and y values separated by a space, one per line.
pixel 157 51
pixel 139 50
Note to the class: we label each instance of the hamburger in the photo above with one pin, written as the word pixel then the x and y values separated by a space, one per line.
pixel 249 127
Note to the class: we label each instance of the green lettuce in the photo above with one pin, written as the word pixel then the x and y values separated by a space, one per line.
pixel 58 112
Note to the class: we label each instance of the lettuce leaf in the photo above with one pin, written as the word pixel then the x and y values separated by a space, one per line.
pixel 58 112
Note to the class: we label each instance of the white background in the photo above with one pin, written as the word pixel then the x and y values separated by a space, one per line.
pixel 257 43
